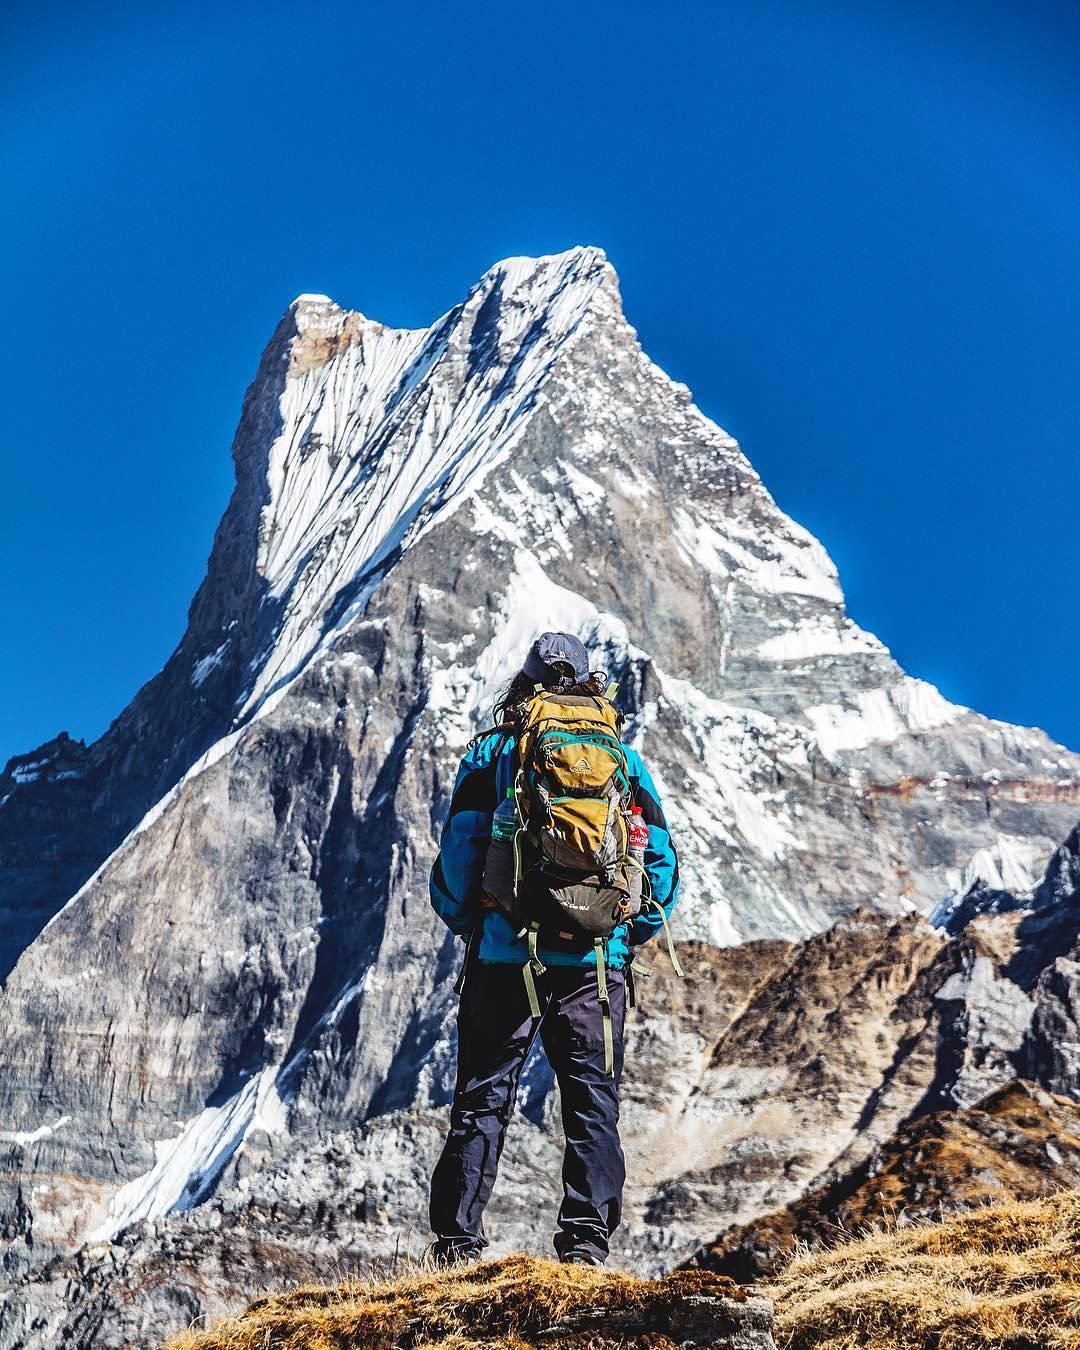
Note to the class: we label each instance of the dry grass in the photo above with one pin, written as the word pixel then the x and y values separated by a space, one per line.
pixel 1006 1277
pixel 493 1304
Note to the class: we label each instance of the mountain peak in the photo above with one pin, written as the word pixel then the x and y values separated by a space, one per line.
pixel 549 279
pixel 527 284
pixel 376 432
pixel 309 298
pixel 582 260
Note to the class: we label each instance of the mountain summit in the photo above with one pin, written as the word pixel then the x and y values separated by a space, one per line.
pixel 216 942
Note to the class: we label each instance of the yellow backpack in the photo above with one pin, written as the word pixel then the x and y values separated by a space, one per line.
pixel 572 880
pixel 574 792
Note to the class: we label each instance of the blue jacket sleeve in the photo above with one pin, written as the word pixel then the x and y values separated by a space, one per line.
pixel 661 863
pixel 456 877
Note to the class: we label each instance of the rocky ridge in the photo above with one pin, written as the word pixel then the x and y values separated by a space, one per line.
pixel 1011 1004
pixel 1017 1143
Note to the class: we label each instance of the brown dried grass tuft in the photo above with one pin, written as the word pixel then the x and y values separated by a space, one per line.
pixel 1006 1277
pixel 492 1304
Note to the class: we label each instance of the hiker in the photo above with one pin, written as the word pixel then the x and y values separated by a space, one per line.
pixel 556 865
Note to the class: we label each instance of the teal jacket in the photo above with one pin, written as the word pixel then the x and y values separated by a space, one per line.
pixel 487 771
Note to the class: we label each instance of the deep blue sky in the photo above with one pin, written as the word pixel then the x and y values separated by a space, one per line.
pixel 852 229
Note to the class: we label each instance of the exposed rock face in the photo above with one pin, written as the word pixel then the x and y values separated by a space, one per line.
pixel 1029 971
pixel 217 944
pixel 1051 1050
pixel 1018 1143
pixel 1009 1002
pixel 773 1070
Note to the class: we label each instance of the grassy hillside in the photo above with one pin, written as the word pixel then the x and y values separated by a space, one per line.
pixel 1006 1277
pixel 504 1303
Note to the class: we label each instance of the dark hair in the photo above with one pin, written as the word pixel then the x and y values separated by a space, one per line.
pixel 508 706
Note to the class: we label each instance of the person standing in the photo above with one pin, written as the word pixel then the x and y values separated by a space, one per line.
pixel 556 865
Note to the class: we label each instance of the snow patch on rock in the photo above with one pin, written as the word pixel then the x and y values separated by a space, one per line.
pixel 207 664
pixel 1012 864
pixel 766 561
pixel 186 1168
pixel 822 635
pixel 909 706
pixel 26 1137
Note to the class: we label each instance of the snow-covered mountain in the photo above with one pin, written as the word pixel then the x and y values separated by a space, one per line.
pixel 215 936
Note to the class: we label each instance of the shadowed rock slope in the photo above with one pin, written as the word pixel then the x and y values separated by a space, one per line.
pixel 1018 1143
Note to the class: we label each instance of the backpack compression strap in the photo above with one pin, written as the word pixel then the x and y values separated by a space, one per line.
pixel 635 969
pixel 605 1007
pixel 532 967
pixel 676 967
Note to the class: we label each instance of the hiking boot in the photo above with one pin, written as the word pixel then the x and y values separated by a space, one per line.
pixel 577 1256
pixel 454 1253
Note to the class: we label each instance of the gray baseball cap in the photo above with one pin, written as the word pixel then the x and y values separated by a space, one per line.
pixel 551 648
